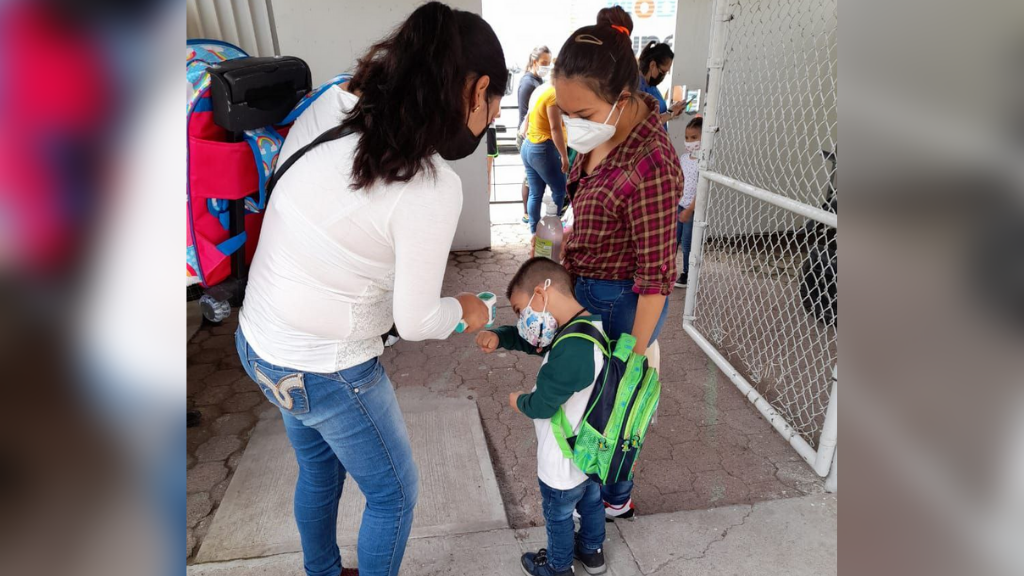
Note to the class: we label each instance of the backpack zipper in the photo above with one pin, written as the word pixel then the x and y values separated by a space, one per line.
pixel 642 401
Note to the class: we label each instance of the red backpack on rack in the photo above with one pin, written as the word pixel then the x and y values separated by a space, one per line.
pixel 239 111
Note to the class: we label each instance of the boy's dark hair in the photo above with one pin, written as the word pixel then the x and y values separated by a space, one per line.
pixel 601 56
pixel 697 123
pixel 535 271
pixel 412 87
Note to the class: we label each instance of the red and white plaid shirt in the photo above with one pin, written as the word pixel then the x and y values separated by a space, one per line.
pixel 624 212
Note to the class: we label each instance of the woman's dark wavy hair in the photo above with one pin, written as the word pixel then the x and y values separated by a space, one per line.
pixel 655 52
pixel 411 88
pixel 601 56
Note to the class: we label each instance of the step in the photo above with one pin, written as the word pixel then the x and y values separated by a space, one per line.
pixel 495 552
pixel 458 491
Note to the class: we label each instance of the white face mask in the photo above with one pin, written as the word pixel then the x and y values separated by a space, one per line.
pixel 585 135
pixel 693 147
pixel 537 328
pixel 543 71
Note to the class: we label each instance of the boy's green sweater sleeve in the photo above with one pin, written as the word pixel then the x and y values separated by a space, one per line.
pixel 509 339
pixel 569 369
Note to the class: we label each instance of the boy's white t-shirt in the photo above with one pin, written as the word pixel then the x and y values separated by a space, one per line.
pixel 553 468
pixel 690 174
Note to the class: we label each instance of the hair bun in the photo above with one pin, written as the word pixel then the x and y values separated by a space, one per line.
pixel 615 16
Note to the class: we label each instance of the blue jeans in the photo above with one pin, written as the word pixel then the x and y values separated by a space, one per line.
pixel 543 168
pixel 558 507
pixel 616 302
pixel 684 237
pixel 344 423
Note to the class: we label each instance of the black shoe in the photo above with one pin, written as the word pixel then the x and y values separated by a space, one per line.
pixel 593 562
pixel 681 281
pixel 536 564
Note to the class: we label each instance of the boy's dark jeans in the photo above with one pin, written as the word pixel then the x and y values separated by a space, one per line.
pixel 558 507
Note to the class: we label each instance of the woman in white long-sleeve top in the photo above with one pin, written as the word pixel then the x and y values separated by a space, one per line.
pixel 356 237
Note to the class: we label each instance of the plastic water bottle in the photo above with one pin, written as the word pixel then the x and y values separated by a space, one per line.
pixel 549 238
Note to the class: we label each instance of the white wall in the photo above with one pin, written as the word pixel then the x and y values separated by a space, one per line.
pixel 690 67
pixel 330 35
pixel 241 22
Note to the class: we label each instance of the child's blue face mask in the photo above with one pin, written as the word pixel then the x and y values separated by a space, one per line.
pixel 537 328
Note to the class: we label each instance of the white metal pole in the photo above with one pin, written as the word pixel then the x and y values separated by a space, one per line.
pixel 829 430
pixel 832 482
pixel 273 28
pixel 716 60
pixel 806 210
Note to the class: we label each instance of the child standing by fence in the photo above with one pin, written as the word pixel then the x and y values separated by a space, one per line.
pixel 688 160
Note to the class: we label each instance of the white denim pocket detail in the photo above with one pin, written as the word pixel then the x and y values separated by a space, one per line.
pixel 286 391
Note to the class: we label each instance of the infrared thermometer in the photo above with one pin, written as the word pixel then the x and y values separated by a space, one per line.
pixel 489 299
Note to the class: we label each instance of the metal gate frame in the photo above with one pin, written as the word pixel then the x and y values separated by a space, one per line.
pixel 824 459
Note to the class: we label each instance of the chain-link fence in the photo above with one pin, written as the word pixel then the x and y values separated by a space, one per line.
pixel 764 264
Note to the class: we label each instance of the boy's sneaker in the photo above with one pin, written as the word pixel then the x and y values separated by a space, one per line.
pixel 536 564
pixel 593 562
pixel 681 281
pixel 612 513
pixel 623 512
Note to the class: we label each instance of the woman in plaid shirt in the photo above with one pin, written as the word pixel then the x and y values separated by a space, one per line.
pixel 624 188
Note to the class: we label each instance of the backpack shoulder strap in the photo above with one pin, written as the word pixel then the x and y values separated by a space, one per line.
pixel 312 96
pixel 562 432
pixel 585 329
pixel 333 134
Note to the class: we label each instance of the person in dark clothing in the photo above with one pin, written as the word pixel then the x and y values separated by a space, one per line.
pixel 537 69
pixel 655 62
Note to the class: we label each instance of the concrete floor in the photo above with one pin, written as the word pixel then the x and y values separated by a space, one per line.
pixel 710 448
pixel 790 537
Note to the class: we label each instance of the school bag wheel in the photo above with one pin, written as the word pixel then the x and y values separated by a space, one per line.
pixel 238 114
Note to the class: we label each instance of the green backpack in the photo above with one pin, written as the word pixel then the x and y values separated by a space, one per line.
pixel 625 396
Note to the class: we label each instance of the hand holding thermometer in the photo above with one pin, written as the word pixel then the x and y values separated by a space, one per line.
pixel 489 299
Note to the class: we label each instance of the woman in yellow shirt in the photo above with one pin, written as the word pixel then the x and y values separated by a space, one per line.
pixel 544 154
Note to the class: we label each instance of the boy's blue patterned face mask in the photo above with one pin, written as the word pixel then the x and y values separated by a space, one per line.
pixel 537 328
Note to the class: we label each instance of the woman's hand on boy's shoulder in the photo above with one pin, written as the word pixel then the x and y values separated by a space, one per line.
pixel 487 341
